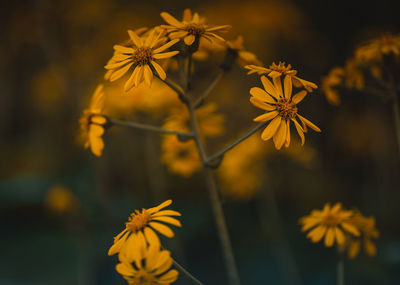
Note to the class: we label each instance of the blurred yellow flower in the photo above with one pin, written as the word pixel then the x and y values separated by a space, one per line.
pixel 61 199
pixel 329 84
pixel 241 171
pixel 281 109
pixel 368 232
pixel 191 28
pixel 150 267
pixel 140 230
pixel 141 54
pixel 332 222
pixel 353 75
pixel 92 125
pixel 280 70
pixel 243 57
pixel 375 49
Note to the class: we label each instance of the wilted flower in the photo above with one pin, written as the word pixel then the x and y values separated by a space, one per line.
pixel 191 28
pixel 281 70
pixel 281 109
pixel 140 55
pixel 332 222
pixel 92 123
pixel 150 267
pixel 140 230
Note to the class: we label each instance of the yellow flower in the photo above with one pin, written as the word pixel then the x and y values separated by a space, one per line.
pixel 140 55
pixel 281 109
pixel 332 222
pixel 354 77
pixel 368 232
pixel 280 70
pixel 61 199
pixel 374 50
pixel 243 57
pixel 329 84
pixel 241 171
pixel 150 267
pixel 92 125
pixel 180 157
pixel 191 28
pixel 140 230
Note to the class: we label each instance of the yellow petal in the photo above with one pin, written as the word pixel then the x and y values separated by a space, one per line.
pixel 269 87
pixel 278 86
pixel 329 237
pixel 167 213
pixel 308 123
pixel 298 97
pixel 166 46
pixel 139 75
pixel 350 228
pixel 131 81
pixel 316 234
pixel 169 277
pixel 261 95
pixel 340 238
pixel 159 207
pixel 165 55
pixel 280 135
pixel 168 220
pixel 123 49
pixel 162 229
pixel 159 70
pixel 369 247
pixel 170 19
pixel 120 72
pixel 287 141
pixel 115 65
pixel 287 83
pixel 189 39
pixel 266 117
pixel 353 249
pixel 261 105
pixel 135 38
pixel 271 129
pixel 148 75
pixel 151 236
pixel 125 269
pixel 100 120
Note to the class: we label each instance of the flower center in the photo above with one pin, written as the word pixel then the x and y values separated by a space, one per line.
pixel 195 29
pixel 143 56
pixel 286 109
pixel 280 67
pixel 138 220
pixel 331 220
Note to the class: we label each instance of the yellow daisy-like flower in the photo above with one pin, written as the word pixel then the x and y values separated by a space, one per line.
pixel 151 267
pixel 374 50
pixel 140 55
pixel 368 232
pixel 140 230
pixel 281 109
pixel 243 57
pixel 329 84
pixel 280 70
pixel 92 124
pixel 191 28
pixel 332 222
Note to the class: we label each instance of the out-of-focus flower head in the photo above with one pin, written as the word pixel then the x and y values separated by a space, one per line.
pixel 92 123
pixel 281 70
pixel 368 232
pixel 354 77
pixel 140 55
pixel 243 56
pixel 281 108
pixel 60 199
pixel 150 266
pixel 333 223
pixel 241 170
pixel 374 50
pixel 141 229
pixel 191 28
pixel 331 82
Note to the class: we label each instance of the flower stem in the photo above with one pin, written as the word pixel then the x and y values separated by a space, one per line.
pixel 148 128
pixel 210 87
pixel 340 272
pixel 216 203
pixel 174 86
pixel 395 106
pixel 235 143
pixel 187 273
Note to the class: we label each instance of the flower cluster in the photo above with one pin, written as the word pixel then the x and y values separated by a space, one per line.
pixel 279 104
pixel 139 243
pixel 347 228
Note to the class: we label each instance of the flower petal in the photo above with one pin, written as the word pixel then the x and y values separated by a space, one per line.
pixel 266 117
pixel 271 129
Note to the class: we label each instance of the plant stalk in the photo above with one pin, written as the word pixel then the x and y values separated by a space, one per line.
pixel 340 272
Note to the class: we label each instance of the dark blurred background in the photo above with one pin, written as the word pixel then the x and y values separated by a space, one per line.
pixel 60 206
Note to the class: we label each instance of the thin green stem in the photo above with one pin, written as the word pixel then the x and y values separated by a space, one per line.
pixel 148 128
pixel 174 86
pixel 230 262
pixel 188 72
pixel 210 87
pixel 235 143
pixel 340 272
pixel 187 273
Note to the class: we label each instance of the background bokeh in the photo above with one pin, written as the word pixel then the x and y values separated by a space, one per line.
pixel 60 206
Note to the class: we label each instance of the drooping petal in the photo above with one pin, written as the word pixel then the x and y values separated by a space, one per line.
pixel 287 83
pixel 308 123
pixel 329 237
pixel 151 236
pixel 159 70
pixel 317 233
pixel 189 39
pixel 298 97
pixel 148 75
pixel 280 135
pixel 131 81
pixel 162 229
pixel 271 129
pixel 139 76
pixel 287 141
pixel 340 238
pixel 119 73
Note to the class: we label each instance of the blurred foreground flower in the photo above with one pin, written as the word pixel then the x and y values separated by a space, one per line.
pixel 149 267
pixel 281 109
pixel 61 199
pixel 191 28
pixel 92 125
pixel 368 232
pixel 332 222
pixel 141 55
pixel 140 230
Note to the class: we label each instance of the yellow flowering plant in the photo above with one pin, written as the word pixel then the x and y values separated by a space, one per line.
pixel 153 52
